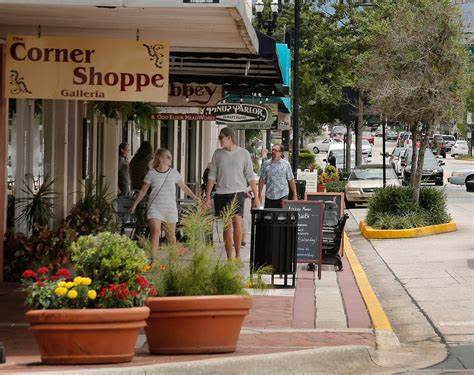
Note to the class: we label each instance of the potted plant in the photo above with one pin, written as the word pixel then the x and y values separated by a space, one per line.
pixel 329 175
pixel 96 316
pixel 201 301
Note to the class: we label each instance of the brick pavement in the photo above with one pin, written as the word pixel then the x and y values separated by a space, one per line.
pixel 280 321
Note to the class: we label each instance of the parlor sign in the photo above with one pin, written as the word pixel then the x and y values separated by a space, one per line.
pixel 242 116
pixel 87 69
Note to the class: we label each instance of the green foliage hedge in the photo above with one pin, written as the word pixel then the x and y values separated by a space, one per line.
pixel 305 159
pixel 392 208
pixel 336 186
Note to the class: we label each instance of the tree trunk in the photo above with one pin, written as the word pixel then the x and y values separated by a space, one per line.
pixel 419 170
pixel 360 125
pixel 348 148
pixel 414 154
pixel 471 144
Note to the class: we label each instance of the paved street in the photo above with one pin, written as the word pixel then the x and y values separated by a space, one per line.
pixel 437 271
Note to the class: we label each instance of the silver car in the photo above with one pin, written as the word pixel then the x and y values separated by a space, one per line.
pixel 323 145
pixel 460 176
pixel 364 180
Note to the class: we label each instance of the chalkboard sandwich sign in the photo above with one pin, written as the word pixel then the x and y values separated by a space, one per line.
pixel 310 229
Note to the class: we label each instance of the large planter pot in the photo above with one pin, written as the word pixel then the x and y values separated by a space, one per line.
pixel 88 335
pixel 202 324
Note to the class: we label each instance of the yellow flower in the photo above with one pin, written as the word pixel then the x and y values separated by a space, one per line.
pixel 77 280
pixel 146 268
pixel 72 294
pixel 91 294
pixel 69 284
pixel 86 281
pixel 62 284
pixel 60 291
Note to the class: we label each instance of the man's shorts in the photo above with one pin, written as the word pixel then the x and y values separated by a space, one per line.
pixel 221 201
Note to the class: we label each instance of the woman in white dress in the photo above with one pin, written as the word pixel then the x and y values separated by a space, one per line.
pixel 162 205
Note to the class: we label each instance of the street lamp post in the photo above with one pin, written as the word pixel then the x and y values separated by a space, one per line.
pixel 296 58
pixel 384 160
pixel 270 26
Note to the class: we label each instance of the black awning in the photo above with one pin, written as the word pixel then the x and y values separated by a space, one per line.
pixel 245 72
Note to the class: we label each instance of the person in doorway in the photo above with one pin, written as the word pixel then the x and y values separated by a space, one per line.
pixel 140 165
pixel 332 159
pixel 277 176
pixel 123 170
pixel 231 172
pixel 162 206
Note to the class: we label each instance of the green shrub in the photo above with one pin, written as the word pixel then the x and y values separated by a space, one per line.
pixel 305 159
pixel 336 186
pixel 392 208
pixel 108 258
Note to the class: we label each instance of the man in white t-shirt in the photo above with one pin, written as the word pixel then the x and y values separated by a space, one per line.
pixel 231 171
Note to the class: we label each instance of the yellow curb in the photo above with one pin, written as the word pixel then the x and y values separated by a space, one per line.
pixel 371 233
pixel 377 314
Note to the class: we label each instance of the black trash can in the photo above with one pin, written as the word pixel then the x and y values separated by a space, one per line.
pixel 274 239
pixel 301 189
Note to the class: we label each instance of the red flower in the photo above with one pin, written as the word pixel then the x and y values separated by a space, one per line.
pixel 153 291
pixel 54 278
pixel 64 272
pixel 30 274
pixel 142 281
pixel 39 283
pixel 43 270
pixel 134 294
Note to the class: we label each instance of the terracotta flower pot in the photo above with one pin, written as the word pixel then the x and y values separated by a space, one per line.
pixel 87 336
pixel 201 324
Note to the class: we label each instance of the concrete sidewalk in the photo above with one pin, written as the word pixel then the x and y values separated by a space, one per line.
pixel 327 314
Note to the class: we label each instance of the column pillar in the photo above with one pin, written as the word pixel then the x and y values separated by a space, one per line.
pixel 3 155
pixel 74 137
pixel 60 161
pixel 111 141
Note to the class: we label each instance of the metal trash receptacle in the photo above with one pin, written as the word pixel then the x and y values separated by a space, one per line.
pixel 274 239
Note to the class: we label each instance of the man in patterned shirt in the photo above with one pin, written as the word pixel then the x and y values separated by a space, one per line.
pixel 277 175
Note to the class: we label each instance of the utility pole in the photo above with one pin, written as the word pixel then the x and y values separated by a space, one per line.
pixel 296 58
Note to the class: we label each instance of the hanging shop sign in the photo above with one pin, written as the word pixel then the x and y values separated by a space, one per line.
pixel 242 115
pixel 182 116
pixel 193 95
pixel 87 69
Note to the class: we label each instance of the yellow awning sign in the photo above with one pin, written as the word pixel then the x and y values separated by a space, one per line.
pixel 87 69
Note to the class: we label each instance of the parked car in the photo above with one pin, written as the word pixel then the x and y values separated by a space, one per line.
pixel 338 131
pixel 391 135
pixel 432 170
pixel 460 148
pixel 322 145
pixel 338 151
pixel 368 136
pixel 364 180
pixel 396 159
pixel 463 177
pixel 449 141
pixel 366 148
pixel 404 139
pixel 470 184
